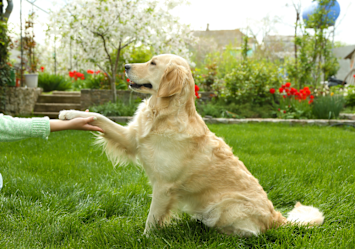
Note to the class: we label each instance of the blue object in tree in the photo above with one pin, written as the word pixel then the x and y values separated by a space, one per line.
pixel 332 10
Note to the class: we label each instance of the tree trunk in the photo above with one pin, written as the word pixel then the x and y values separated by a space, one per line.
pixel 296 59
pixel 1 8
pixel 113 86
pixel 8 10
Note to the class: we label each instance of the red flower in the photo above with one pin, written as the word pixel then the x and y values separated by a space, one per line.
pixel 83 78
pixel 42 69
pixel 281 90
pixel 311 97
pixel 196 91
pixel 283 86
pixel 354 75
pixel 127 80
pixel 288 94
pixel 288 84
pixel 284 111
pixel 90 71
pixel 293 91
pixel 310 101
pixel 284 96
pixel 278 109
pixel 272 90
pixel 98 71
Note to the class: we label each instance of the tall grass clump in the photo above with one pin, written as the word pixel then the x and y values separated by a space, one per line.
pixel 51 82
pixel 328 107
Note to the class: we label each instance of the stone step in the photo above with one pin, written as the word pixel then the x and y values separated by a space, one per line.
pixel 347 116
pixel 55 107
pixel 47 114
pixel 75 99
pixel 65 93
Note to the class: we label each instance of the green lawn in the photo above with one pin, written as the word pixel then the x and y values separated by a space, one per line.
pixel 63 193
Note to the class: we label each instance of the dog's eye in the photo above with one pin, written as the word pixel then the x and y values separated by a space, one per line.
pixel 153 63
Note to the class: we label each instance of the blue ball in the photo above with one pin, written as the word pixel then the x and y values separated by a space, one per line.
pixel 330 18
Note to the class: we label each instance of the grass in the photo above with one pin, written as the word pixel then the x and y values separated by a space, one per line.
pixel 62 193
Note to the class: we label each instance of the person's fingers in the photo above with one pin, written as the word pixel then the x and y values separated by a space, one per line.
pixel 93 128
pixel 87 110
pixel 90 119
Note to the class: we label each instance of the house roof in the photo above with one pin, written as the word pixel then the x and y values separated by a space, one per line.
pixel 344 51
pixel 349 56
pixel 223 37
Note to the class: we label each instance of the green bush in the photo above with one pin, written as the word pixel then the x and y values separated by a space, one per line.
pixel 222 109
pixel 328 107
pixel 250 81
pixel 116 109
pixel 51 82
pixel 99 81
pixel 350 98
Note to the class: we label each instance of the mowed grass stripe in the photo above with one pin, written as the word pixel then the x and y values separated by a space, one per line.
pixel 64 193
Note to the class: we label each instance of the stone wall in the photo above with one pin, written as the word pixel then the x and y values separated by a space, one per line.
pixel 19 100
pixel 90 97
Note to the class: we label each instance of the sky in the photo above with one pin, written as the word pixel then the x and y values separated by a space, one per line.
pixel 220 15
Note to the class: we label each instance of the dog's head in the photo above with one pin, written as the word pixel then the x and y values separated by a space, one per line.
pixel 164 75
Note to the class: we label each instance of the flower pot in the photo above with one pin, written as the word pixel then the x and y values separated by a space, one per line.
pixel 31 80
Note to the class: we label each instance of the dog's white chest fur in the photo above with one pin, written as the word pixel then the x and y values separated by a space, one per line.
pixel 161 156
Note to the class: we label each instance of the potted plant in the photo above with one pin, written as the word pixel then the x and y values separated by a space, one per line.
pixel 29 45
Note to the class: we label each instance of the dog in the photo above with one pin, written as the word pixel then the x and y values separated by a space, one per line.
pixel 189 167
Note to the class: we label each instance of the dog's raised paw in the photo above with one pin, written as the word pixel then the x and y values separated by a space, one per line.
pixel 66 115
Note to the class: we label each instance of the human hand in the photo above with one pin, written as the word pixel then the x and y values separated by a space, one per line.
pixel 75 124
pixel 83 124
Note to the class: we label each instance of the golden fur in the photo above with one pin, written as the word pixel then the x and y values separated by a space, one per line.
pixel 189 167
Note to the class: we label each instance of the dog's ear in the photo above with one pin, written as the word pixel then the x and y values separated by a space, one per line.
pixel 172 80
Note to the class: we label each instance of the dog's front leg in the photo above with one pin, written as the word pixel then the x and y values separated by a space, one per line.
pixel 162 202
pixel 125 136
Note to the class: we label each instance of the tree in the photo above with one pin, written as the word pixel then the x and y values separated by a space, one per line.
pixel 103 29
pixel 315 61
pixel 5 15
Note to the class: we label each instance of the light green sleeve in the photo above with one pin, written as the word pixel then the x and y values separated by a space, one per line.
pixel 12 129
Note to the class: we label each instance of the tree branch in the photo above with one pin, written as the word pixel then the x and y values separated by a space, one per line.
pixel 127 43
pixel 105 47
pixel 102 69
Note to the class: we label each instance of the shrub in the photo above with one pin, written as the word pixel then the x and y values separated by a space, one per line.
pixel 116 109
pixel 327 107
pixel 221 109
pixel 51 82
pixel 350 98
pixel 250 81
pixel 97 81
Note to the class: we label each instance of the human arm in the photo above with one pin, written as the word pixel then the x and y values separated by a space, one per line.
pixel 74 124
pixel 12 129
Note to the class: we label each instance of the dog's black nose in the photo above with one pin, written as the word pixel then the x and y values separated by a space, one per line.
pixel 127 67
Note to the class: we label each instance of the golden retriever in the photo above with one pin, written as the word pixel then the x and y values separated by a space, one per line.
pixel 189 167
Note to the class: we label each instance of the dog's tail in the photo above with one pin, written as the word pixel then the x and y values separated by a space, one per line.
pixel 305 215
